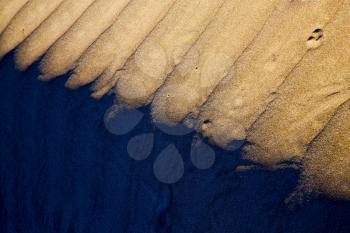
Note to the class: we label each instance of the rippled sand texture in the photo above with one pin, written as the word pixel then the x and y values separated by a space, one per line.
pixel 272 73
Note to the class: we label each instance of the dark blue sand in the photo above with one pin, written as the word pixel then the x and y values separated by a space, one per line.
pixel 62 171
